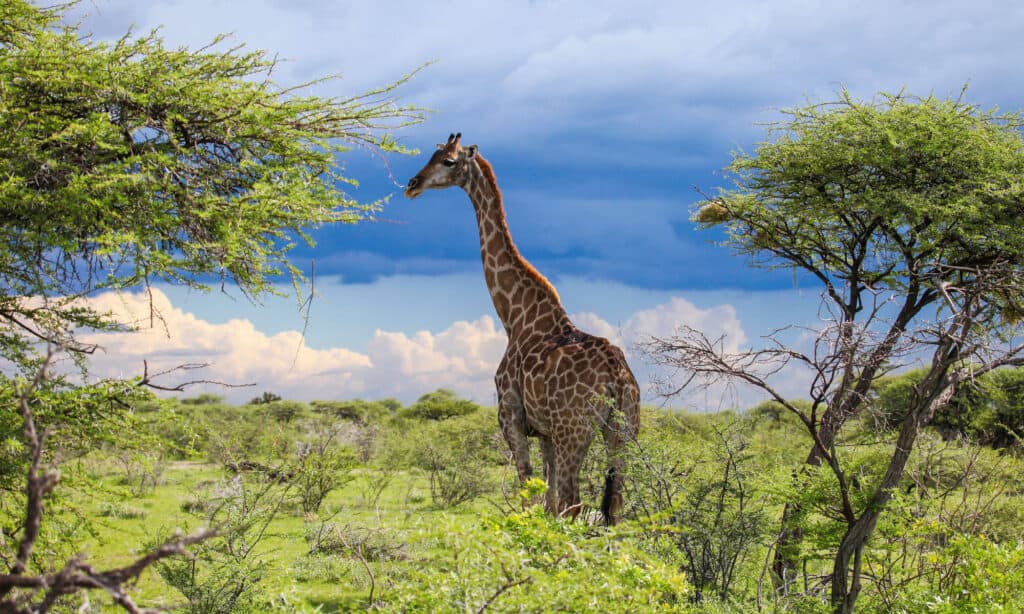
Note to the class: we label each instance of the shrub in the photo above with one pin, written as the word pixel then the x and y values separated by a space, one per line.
pixel 439 405
pixel 225 573
pixel 324 569
pixel 121 511
pixel 203 399
pixel 980 576
pixel 357 410
pixel 459 454
pixel 266 397
pixel 284 412
pixel 697 496
pixel 321 466
pixel 142 471
pixel 354 542
pixel 532 562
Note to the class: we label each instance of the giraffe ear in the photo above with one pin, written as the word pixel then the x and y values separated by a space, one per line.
pixel 470 151
pixel 440 145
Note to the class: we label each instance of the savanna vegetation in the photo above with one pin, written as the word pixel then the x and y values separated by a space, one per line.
pixel 883 488
pixel 352 505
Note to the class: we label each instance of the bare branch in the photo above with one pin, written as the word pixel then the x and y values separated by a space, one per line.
pixel 76 575
pixel 147 378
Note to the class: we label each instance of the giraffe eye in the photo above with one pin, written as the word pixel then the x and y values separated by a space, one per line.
pixel 448 162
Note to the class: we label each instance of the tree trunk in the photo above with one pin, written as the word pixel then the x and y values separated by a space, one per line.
pixel 934 391
pixel 785 561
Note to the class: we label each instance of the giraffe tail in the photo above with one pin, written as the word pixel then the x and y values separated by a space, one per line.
pixel 611 502
pixel 622 427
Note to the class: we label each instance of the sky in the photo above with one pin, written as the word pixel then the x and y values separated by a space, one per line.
pixel 604 122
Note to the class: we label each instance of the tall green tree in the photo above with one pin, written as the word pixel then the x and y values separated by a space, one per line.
pixel 906 211
pixel 122 165
pixel 129 163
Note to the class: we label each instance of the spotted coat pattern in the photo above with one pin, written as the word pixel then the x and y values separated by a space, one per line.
pixel 555 382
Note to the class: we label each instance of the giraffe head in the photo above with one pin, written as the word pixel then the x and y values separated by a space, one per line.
pixel 447 167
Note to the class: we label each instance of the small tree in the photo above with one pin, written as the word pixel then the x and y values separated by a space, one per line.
pixel 440 405
pixel 322 465
pixel 907 212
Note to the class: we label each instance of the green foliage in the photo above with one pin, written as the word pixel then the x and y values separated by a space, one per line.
pixel 284 411
pixel 129 162
pixel 697 494
pixel 142 470
pixel 906 210
pixel 120 510
pixel 266 397
pixel 989 410
pixel 984 577
pixel 459 454
pixel 322 466
pixel 125 164
pixel 204 399
pixel 855 177
pixel 226 573
pixel 330 538
pixel 358 410
pixel 699 486
pixel 529 561
pixel 439 405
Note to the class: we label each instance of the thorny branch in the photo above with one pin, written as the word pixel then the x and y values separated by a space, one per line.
pixel 76 575
pixel 147 378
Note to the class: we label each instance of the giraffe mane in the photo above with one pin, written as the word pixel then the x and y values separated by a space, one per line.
pixel 488 173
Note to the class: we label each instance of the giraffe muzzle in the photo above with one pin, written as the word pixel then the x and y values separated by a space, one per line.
pixel 413 188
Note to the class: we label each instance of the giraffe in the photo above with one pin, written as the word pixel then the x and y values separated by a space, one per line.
pixel 554 382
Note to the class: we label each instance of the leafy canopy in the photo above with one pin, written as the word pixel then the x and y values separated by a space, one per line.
pixel 129 163
pixel 874 193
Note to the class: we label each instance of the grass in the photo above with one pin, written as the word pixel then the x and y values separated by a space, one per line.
pixel 402 519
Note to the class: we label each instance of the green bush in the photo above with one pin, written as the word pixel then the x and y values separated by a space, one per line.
pixel 321 466
pixel 357 410
pixel 531 562
pixel 227 573
pixel 439 405
pixel 120 510
pixel 981 576
pixel 989 410
pixel 283 411
pixel 458 454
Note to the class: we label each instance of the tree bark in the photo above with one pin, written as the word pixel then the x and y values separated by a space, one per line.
pixel 934 391
pixel 785 561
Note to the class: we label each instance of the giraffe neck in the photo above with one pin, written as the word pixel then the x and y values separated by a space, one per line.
pixel 523 298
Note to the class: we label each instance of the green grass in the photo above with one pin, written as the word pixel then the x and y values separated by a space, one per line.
pixel 404 517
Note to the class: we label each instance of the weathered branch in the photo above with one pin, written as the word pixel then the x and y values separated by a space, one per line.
pixel 76 575
pixel 147 378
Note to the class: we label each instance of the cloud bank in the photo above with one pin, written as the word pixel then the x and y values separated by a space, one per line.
pixel 462 356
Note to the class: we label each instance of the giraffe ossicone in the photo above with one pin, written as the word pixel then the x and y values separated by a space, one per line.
pixel 555 382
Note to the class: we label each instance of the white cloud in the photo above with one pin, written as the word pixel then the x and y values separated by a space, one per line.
pixel 236 351
pixel 462 356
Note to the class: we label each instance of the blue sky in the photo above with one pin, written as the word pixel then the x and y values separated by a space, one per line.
pixel 599 119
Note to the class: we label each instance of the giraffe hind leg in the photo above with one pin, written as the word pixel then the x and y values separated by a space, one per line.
pixel 510 419
pixel 547 451
pixel 569 454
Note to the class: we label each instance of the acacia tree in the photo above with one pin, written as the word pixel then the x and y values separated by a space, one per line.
pixel 129 163
pixel 907 213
